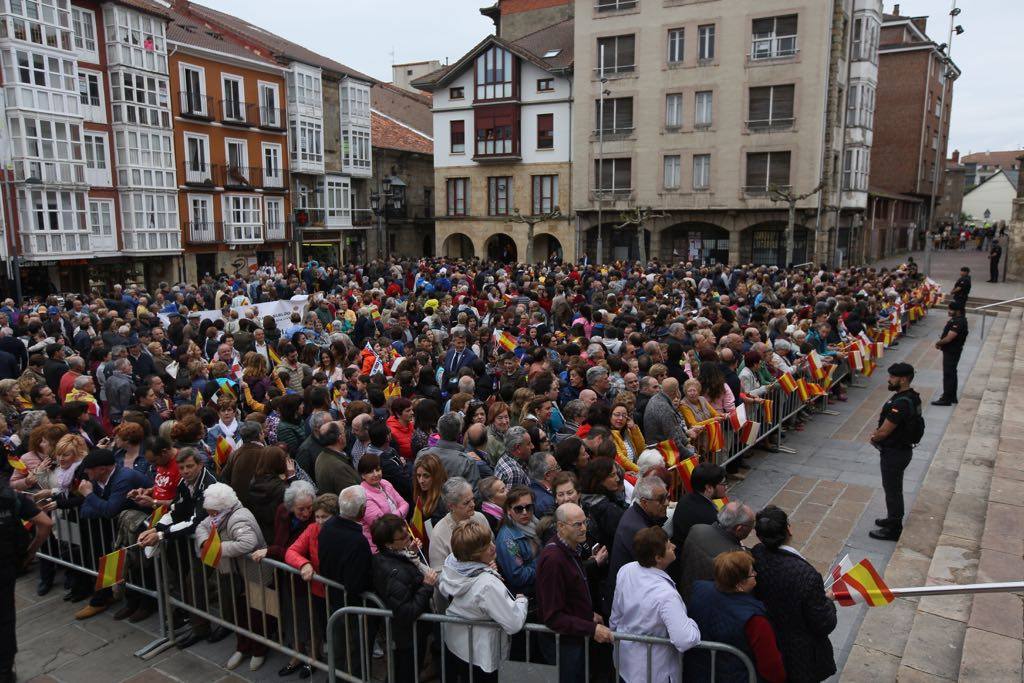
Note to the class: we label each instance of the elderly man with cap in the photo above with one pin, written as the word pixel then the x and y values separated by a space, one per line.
pixel 900 427
pixel 954 335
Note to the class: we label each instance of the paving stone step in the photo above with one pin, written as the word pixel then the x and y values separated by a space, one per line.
pixel 922 638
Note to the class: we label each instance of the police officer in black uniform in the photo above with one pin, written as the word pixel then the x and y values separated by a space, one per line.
pixel 954 335
pixel 994 254
pixel 17 548
pixel 895 441
pixel 962 287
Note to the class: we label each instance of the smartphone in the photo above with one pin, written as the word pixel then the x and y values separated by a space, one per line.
pixel 44 501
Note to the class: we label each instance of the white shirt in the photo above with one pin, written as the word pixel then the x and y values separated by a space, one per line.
pixel 647 603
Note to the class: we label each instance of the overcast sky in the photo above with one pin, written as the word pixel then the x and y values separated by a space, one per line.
pixel 370 35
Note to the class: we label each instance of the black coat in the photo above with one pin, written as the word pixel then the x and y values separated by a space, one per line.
pixel 794 594
pixel 399 583
pixel 345 557
pixel 693 508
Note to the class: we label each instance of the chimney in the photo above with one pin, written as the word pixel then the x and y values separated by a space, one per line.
pixel 956 156
pixel 896 10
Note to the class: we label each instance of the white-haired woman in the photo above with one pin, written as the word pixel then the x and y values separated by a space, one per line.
pixel 240 535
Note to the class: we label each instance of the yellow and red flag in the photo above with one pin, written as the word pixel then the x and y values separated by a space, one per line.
pixel 787 383
pixel 111 569
pixel 669 452
pixel 716 436
pixel 505 340
pixel 738 417
pixel 158 512
pixel 768 406
pixel 802 390
pixel 862 584
pixel 222 452
pixel 272 355
pixel 854 358
pixel 417 527
pixel 817 364
pixel 749 433
pixel 720 502
pixel 828 376
pixel 392 390
pixel 210 552
pixel 869 368
pixel 15 462
pixel 685 469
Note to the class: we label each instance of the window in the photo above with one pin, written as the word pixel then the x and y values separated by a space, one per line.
pixel 860 105
pixel 44 71
pixel 456 93
pixel 497 131
pixel 616 54
pixel 54 222
pixel 101 224
pixel 771 107
pixel 495 74
pixel 140 99
pixel 97 166
pixel 865 39
pixel 545 84
pixel 83 23
pixel 613 175
pixel 197 160
pixel 135 39
pixel 304 88
pixel 243 218
pixel 545 194
pixel 270 111
pixel 48 23
pixel 200 218
pixel 773 37
pixel 237 160
pixel 306 142
pixel 856 163
pixel 614 5
pixel 50 151
pixel 616 115
pixel 702 114
pixel 274 210
pixel 545 131
pixel 676 45
pixel 458 196
pixel 193 100
pixel 674 110
pixel 701 171
pixel 355 153
pixel 90 94
pixel 355 102
pixel 767 170
pixel 499 195
pixel 150 221
pixel 144 158
pixel 671 175
pixel 457 135
pixel 272 173
pixel 233 89
pixel 706 43
pixel 338 200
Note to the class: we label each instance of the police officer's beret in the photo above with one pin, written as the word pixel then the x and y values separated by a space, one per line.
pixel 98 457
pixel 901 370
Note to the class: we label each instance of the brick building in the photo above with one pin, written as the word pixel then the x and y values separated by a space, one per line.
pixel 911 131
pixel 951 201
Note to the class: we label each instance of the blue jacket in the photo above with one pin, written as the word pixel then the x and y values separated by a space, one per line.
pixel 516 560
pixel 543 501
pixel 107 502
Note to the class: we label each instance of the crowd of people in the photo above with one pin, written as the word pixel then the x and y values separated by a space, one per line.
pixel 466 438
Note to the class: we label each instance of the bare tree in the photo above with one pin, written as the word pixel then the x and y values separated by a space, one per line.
pixel 779 194
pixel 636 217
pixel 531 222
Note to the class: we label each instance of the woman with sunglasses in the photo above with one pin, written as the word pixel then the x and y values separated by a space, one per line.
pixel 517 543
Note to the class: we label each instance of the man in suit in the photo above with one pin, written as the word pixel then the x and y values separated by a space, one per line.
pixel 105 493
pixel 458 357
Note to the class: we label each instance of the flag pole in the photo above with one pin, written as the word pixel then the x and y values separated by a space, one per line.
pixel 960 589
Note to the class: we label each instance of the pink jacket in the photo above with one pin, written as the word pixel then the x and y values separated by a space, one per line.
pixel 377 506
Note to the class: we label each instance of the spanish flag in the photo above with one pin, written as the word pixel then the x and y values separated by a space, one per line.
pixel 669 451
pixel 222 453
pixel 817 364
pixel 720 502
pixel 738 417
pixel 157 514
pixel 685 469
pixel 111 569
pixel 16 463
pixel 392 390
pixel 768 406
pixel 749 433
pixel 505 340
pixel 272 354
pixel 417 526
pixel 210 552
pixel 716 436
pixel 828 376
pixel 854 358
pixel 802 390
pixel 869 368
pixel 863 584
pixel 787 383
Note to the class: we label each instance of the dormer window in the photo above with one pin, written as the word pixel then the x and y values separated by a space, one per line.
pixel 495 74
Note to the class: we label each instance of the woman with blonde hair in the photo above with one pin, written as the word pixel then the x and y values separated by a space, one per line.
pixel 629 440
pixel 521 397
pixel 696 409
pixel 39 457
pixel 9 404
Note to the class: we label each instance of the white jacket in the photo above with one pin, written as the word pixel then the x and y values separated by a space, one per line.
pixel 477 593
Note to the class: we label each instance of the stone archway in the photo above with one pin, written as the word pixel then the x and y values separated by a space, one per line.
pixel 616 244
pixel 545 246
pixel 457 246
pixel 696 241
pixel 501 247
pixel 764 244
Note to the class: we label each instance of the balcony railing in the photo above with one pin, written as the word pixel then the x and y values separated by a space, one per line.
pixel 772 47
pixel 762 190
pixel 275 230
pixel 242 233
pixel 769 125
pixel 199 173
pixel 195 105
pixel 151 240
pixel 205 231
pixel 272 117
pixel 614 5
pixel 48 245
pixel 49 172
pixel 362 218
pixel 238 113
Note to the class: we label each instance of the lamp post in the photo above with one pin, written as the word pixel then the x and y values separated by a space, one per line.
pixel 600 161
pixel 379 202
pixel 948 72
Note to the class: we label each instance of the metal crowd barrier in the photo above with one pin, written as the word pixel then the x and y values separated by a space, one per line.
pixel 536 670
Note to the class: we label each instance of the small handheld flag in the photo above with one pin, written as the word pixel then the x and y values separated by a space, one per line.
pixel 720 502
pixel 16 463
pixel 787 383
pixel 272 354
pixel 802 390
pixel 738 417
pixel 392 390
pixel 685 469
pixel 210 551
pixel 768 405
pixel 157 514
pixel 222 452
pixel 863 584
pixel 716 436
pixel 749 433
pixel 669 451
pixel 110 570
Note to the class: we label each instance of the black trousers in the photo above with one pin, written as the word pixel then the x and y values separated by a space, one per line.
pixel 893 462
pixel 950 359
pixel 993 269
pixel 8 637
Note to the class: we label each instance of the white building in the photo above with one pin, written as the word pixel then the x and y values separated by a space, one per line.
pixel 992 200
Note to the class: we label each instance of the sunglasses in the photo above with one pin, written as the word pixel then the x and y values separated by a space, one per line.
pixel 520 509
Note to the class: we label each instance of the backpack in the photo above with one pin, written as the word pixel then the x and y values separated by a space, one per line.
pixel 913 429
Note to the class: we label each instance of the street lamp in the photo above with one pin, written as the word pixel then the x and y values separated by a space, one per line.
pixel 389 197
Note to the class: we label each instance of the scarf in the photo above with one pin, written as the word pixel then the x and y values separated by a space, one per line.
pixel 489 508
pixel 65 477
pixel 228 431
pixel 218 519
pixel 530 531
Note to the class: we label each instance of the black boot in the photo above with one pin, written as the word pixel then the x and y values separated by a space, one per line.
pixel 885 522
pixel 891 533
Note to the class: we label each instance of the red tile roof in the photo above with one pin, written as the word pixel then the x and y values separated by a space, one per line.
pixel 195 32
pixel 411 108
pixel 1006 160
pixel 390 134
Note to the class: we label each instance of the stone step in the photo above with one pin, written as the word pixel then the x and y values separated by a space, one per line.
pixel 943 504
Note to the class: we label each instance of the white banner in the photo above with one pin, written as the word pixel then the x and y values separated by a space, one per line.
pixel 280 310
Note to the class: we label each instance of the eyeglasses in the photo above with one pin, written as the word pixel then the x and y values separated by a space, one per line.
pixel 659 499
pixel 577 525
pixel 520 509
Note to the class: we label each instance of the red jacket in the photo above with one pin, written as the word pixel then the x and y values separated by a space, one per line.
pixel 306 549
